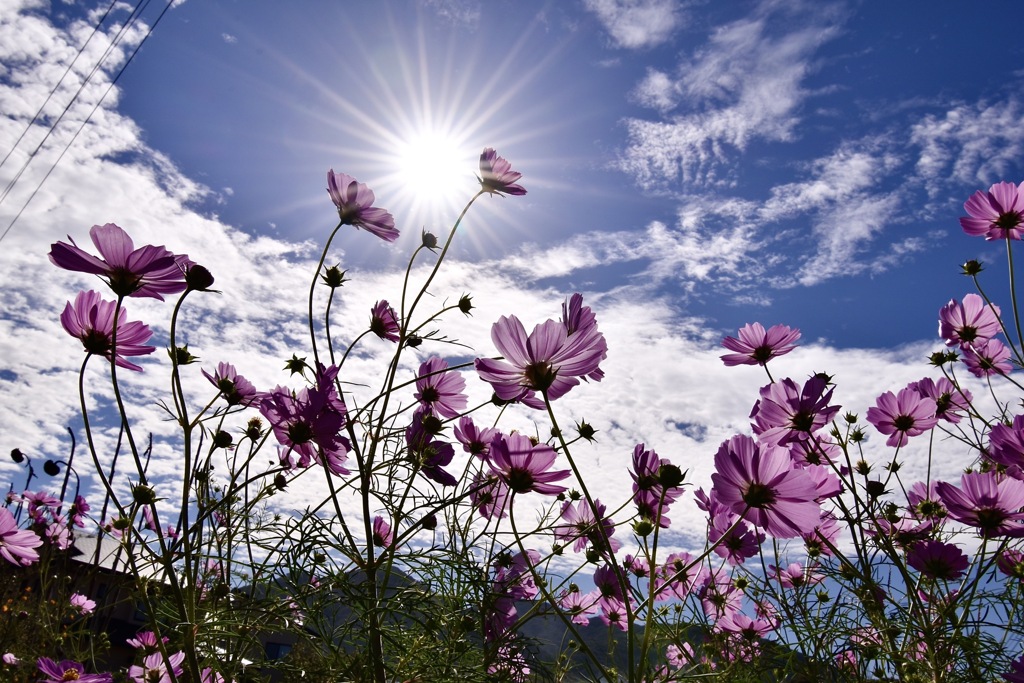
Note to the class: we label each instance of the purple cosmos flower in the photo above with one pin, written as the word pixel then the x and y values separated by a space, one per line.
pixel 719 594
pixel 950 400
pixel 679 576
pixel 987 501
pixel 490 496
pixel 761 484
pixel 996 214
pixel 10 659
pixel 474 440
pixel 678 656
pixel 154 668
pixel 651 498
pixel 785 413
pixel 988 357
pixel 17 546
pixel 1011 563
pixel 91 320
pixel 548 361
pixel 146 271
pixel 579 605
pixel 429 454
pixel 795 575
pixel 355 206
pixel 310 422
pixel 236 389
pixel 82 604
pixel 58 672
pixel 902 416
pixel 740 624
pixel 496 175
pixel 938 560
pixel 384 322
pixel 1006 443
pixel 580 319
pixel 586 525
pixel 525 467
pixel 382 535
pixel 1016 672
pixel 968 322
pixel 440 391
pixel 756 346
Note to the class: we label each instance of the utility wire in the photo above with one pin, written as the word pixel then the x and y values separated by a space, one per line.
pixel 135 14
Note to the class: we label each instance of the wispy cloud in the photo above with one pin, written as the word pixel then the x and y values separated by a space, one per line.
pixel 635 24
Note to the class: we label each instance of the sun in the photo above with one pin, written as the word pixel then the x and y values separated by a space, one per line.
pixel 434 170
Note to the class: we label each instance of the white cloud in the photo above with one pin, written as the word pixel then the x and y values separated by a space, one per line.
pixel 745 85
pixel 228 38
pixel 635 24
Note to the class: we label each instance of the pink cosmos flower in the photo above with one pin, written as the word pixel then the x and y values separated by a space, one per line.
pixel 786 413
pixel 236 389
pixel 987 357
pixel 355 206
pixel 950 400
pixel 579 605
pixel 1011 563
pixel 584 525
pixel 474 440
pixel 679 576
pixel 526 467
pixel 996 214
pixel 382 534
pixel 10 659
pixel 580 320
pixel 903 415
pixel 429 453
pixel 968 322
pixel 91 320
pixel 987 501
pixel 147 271
pixel 761 484
pixel 795 575
pixel 154 668
pixel 938 560
pixel 1006 443
pixel 747 628
pixel 146 641
pixel 17 546
pixel 58 672
pixel 652 499
pixel 490 496
pixel 756 346
pixel 496 175
pixel 1016 672
pixel 384 322
pixel 82 604
pixel 549 361
pixel 440 391
pixel 678 656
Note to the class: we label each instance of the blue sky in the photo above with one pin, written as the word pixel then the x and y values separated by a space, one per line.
pixel 691 167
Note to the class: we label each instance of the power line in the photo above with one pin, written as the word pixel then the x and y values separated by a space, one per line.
pixel 136 13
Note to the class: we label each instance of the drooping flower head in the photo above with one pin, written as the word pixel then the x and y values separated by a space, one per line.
pixel 428 453
pixel 650 494
pixel 786 413
pixel 757 346
pixel 496 175
pixel 525 466
pixel 355 206
pixel 384 322
pixel 147 271
pixel 938 560
pixel 17 546
pixel 236 389
pixel 440 391
pixel 549 361
pixel 91 320
pixel 66 670
pixel 902 415
pixel 969 322
pixel 995 215
pixel 761 484
pixel 382 535
pixel 987 357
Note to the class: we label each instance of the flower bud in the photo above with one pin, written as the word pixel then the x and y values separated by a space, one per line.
pixel 17 455
pixel 296 365
pixel 222 439
pixel 254 428
pixel 198 279
pixel 593 556
pixel 280 482
pixel 429 522
pixel 670 476
pixel 143 495
pixel 971 268
pixel 181 355
pixel 51 468
pixel 585 430
pixel 643 527
pixel 465 304
pixel 429 240
pixel 413 341
pixel 333 277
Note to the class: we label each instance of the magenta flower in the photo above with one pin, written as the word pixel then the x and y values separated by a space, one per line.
pixel 756 346
pixel 761 484
pixel 355 206
pixel 950 400
pixel 384 322
pixel 525 467
pixel 490 496
pixel 91 320
pixel 429 454
pixel 969 322
pixel 996 214
pixel 82 604
pixel 988 357
pixel 795 575
pixel 382 535
pixel 474 440
pixel 652 499
pixel 579 605
pixel 989 502
pixel 1016 672
pixel 310 422
pixel 786 413
pixel 1006 443
pixel 236 389
pixel 58 672
pixel 549 361
pixel 902 416
pixel 938 560
pixel 580 319
pixel 679 576
pixel 154 668
pixel 146 271
pixel 17 546
pixel 496 175
pixel 440 391
pixel 585 525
